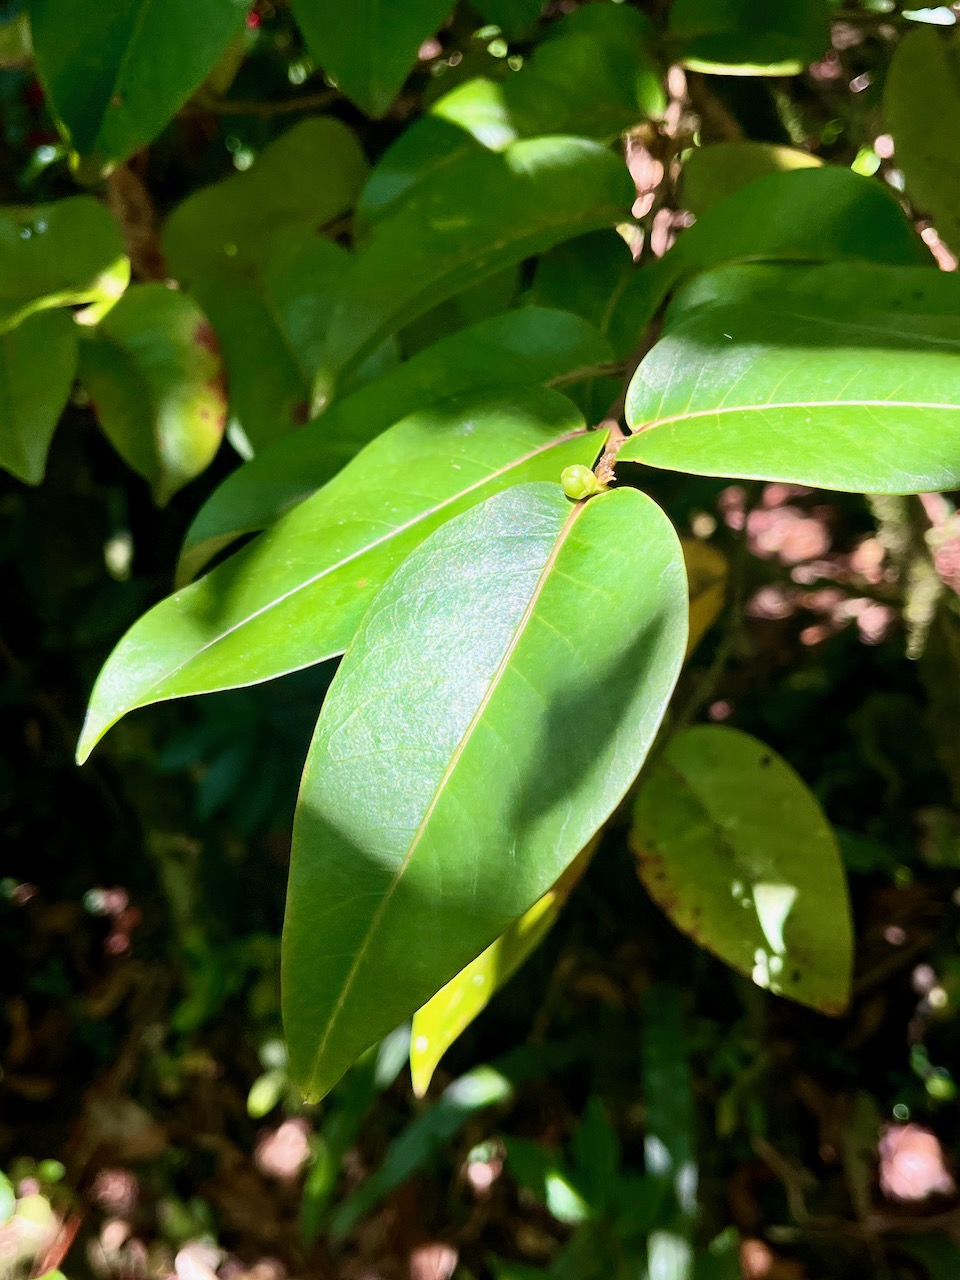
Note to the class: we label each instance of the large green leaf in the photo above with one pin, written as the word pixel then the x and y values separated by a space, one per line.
pixel 305 179
pixel 714 172
pixel 56 255
pixel 735 848
pixel 809 215
pixel 750 37
pixel 442 239
pixel 37 363
pixel 530 346
pixel 295 595
pixel 369 47
pixel 494 706
pixel 591 76
pixel 116 72
pixel 153 373
pixel 922 107
pixel 840 289
pixel 865 402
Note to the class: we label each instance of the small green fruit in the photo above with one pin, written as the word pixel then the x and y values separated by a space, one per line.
pixel 579 482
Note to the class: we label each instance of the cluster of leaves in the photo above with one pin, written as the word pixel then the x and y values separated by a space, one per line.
pixel 416 359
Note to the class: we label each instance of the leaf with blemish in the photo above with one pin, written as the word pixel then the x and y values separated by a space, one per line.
pixel 735 848
pixel 153 371
pixel 117 71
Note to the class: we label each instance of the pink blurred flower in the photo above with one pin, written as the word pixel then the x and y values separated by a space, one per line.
pixel 911 1164
pixel 284 1152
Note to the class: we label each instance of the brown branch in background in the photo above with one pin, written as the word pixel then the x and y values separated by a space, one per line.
pixel 131 205
pixel 245 107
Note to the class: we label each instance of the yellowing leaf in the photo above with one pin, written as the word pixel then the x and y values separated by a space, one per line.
pixel 707 579
pixel 445 1017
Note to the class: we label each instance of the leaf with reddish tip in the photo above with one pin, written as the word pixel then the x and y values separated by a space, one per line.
pixel 152 369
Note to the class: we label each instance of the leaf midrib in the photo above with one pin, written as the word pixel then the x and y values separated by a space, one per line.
pixel 502 667
pixel 689 415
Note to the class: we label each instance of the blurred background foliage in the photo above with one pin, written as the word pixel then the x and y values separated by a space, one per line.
pixel 626 1106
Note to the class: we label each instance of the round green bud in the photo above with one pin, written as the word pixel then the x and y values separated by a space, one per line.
pixel 579 482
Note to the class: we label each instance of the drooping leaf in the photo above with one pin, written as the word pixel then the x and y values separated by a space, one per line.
pixel 56 255
pixel 304 180
pixel 735 848
pixel 865 403
pixel 714 172
pixel 441 239
pixel 116 73
pixel 922 107
pixel 810 215
pixel 525 347
pixel 750 37
pixel 369 48
pixel 295 595
pixel 37 363
pixel 445 1016
pixel 456 771
pixel 153 372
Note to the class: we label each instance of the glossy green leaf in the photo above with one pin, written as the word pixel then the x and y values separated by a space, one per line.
pixel 922 108
pixel 457 770
pixel 867 403
pixel 809 215
pixel 840 289
pixel 442 240
pixel 444 1018
pixel 530 346
pixel 592 76
pixel 117 72
pixel 371 47
pixel 60 254
pixel 154 375
pixel 735 848
pixel 712 173
pixel 38 360
pixel 295 595
pixel 305 179
pixel 471 117
pixel 750 37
